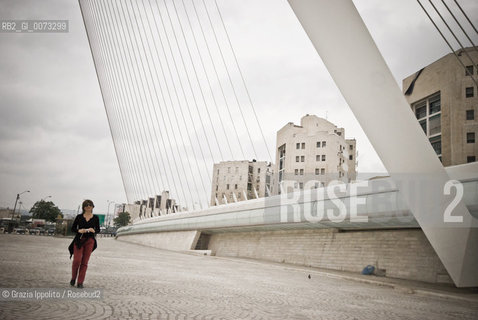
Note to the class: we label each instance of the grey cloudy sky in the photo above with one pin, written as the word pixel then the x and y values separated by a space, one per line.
pixel 54 135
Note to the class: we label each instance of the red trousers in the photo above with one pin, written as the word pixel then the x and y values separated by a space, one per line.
pixel 80 259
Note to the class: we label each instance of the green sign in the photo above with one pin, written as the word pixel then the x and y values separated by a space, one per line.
pixel 101 217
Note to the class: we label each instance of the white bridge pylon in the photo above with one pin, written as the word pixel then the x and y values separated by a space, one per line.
pixel 347 49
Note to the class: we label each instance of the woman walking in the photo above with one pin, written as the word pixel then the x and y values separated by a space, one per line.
pixel 86 226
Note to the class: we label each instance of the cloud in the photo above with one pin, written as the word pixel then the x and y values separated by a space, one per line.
pixel 53 130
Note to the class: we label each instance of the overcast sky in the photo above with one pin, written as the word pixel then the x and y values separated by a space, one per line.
pixel 54 135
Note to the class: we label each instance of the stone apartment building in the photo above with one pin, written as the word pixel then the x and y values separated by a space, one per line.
pixel 240 180
pixel 152 207
pixel 444 99
pixel 316 152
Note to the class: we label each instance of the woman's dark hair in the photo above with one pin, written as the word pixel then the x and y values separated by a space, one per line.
pixel 86 203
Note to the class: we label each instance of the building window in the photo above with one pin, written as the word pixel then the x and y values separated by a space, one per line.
pixel 322 171
pixel 296 171
pixel 323 157
pixel 240 178
pixel 317 157
pixel 470 137
pixel 217 187
pixel 297 145
pixel 469 92
pixel 423 124
pixel 217 171
pixel 297 158
pixel 235 186
pixel 318 144
pixel 436 144
pixel 303 145
pixel 324 144
pixel 238 195
pixel 301 185
pixel 435 104
pixel 351 157
pixel 470 159
pixel 317 171
pixel 229 170
pixel 301 172
pixel 421 110
pixel 468 70
pixel 227 186
pixel 428 113
pixel 470 114
pixel 302 158
pixel 281 164
pixel 351 147
pixel 258 170
pixel 237 169
pixel 435 124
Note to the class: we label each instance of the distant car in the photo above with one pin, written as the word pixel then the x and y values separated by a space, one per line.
pixel 34 231
pixel 111 231
pixel 51 232
pixel 19 230
pixel 41 231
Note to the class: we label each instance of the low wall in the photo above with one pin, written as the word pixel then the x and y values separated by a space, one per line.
pixel 175 240
pixel 404 254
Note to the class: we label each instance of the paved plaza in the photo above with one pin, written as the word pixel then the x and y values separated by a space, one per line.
pixel 139 282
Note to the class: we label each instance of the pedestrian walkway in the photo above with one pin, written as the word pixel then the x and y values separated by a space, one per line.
pixel 139 282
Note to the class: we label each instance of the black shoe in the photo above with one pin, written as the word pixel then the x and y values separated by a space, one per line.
pixel 72 282
pixel 80 286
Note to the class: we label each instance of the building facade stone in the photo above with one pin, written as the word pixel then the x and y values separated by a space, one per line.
pixel 444 99
pixel 240 180
pixel 313 154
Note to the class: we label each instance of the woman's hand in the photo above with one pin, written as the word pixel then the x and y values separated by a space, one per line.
pixel 86 230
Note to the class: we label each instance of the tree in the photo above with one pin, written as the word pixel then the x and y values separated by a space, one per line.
pixel 123 219
pixel 45 210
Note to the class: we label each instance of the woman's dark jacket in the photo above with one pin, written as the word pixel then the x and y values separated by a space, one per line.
pixel 81 223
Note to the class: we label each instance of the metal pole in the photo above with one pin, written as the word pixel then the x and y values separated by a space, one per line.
pixel 108 212
pixel 15 207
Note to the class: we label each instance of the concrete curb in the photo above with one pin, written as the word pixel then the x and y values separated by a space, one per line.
pixel 396 285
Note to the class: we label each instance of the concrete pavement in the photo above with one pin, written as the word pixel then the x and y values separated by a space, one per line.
pixel 145 283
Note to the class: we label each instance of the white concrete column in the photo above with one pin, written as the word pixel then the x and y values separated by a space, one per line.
pixel 348 51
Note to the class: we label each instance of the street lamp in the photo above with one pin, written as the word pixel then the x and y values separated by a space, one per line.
pixel 45 198
pixel 16 200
